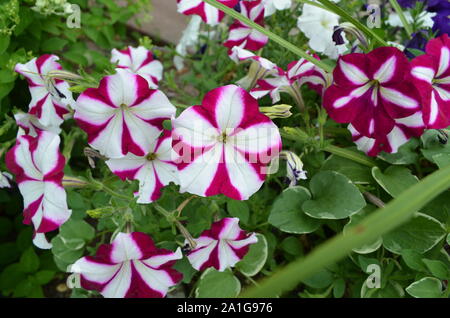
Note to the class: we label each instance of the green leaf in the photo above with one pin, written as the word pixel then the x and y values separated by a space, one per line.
pixel 437 268
pixel 356 172
pixel 239 209
pixel 8 253
pixel 64 256
pixel 4 43
pixel 442 160
pixel 184 267
pixel 414 260
pixel 395 179
pixel 44 277
pixel 6 226
pixel 334 197
pixel 339 288
pixel 287 213
pixel 77 229
pixel 420 234
pixel 354 220
pixel 215 284
pixel 292 246
pixel 321 279
pixel 29 261
pixel 53 44
pixel 427 287
pixel 255 259
pixel 405 155
pixel 10 277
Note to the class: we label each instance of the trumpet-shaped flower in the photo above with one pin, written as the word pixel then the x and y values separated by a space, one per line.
pixel 38 165
pixel 271 6
pixel 225 144
pixel 130 267
pixel 318 26
pixel 50 97
pixel 222 246
pixel 244 36
pixel 154 170
pixel 139 61
pixel 209 14
pixel 294 167
pixel 123 115
pixel 432 74
pixel 373 92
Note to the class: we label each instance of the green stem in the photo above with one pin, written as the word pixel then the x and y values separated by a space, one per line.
pixel 287 45
pixel 402 16
pixel 350 154
pixel 100 186
pixel 372 227
pixel 346 16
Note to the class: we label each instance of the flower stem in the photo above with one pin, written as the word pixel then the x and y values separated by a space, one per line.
pixel 350 154
pixel 382 221
pixel 402 16
pixel 287 45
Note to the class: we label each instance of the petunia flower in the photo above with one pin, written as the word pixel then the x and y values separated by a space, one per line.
pixel 432 74
pixel 259 68
pixel 222 246
pixel 271 6
pixel 188 41
pixel 372 91
pixel 51 98
pixel 30 125
pixel 208 13
pixel 244 36
pixel 38 165
pixel 318 26
pixel 225 144
pixel 404 129
pixel 154 170
pixel 294 167
pixel 123 115
pixel 424 20
pixel 130 267
pixel 5 180
pixel 139 61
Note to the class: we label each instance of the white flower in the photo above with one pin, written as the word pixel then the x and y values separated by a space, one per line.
pixel 271 6
pixel 189 39
pixel 318 25
pixel 5 177
pixel 425 19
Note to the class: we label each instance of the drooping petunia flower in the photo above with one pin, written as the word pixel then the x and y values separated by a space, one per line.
pixel 318 26
pixel 244 36
pixel 30 125
pixel 432 74
pixel 404 129
pixel 222 246
pixel 139 61
pixel 154 170
pixel 123 115
pixel 224 144
pixel 38 165
pixel 372 91
pixel 130 267
pixel 50 97
pixel 209 14
pixel 271 6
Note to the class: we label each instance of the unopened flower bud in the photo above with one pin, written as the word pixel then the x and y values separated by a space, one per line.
pixel 294 167
pixel 277 111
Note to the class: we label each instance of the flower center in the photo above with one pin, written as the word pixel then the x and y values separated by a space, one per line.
pixel 123 106
pixel 223 137
pixel 151 156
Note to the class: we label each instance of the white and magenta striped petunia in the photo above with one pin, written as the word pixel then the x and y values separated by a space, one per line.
pixel 154 170
pixel 50 98
pixel 30 125
pixel 244 36
pixel 224 145
pixel 222 246
pixel 432 74
pixel 373 92
pixel 208 13
pixel 130 267
pixel 38 165
pixel 404 129
pixel 139 61
pixel 123 115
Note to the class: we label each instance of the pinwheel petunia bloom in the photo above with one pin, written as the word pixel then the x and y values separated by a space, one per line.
pixel 208 13
pixel 373 92
pixel 225 144
pixel 432 74
pixel 154 170
pixel 222 246
pixel 38 166
pixel 244 36
pixel 51 98
pixel 139 61
pixel 123 115
pixel 130 267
